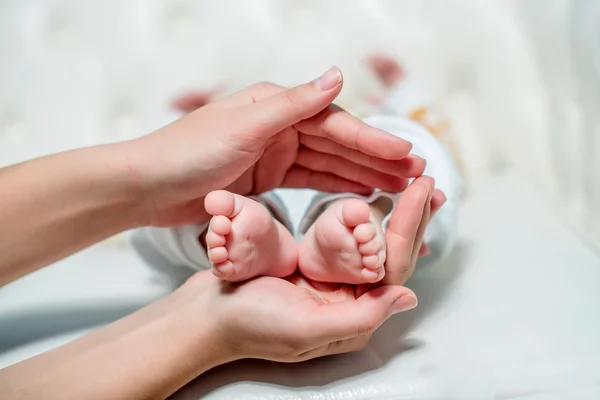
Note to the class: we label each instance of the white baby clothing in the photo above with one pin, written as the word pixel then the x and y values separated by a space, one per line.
pixel 180 246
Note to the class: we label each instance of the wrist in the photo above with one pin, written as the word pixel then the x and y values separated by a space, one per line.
pixel 177 335
pixel 169 190
pixel 123 172
pixel 149 354
pixel 195 300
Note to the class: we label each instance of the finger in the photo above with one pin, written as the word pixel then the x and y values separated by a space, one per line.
pixel 337 125
pixel 353 318
pixel 408 167
pixel 346 169
pixel 284 109
pixel 421 231
pixel 402 230
pixel 304 178
pixel 437 201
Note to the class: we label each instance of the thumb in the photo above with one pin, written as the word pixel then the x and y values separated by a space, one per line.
pixel 290 106
pixel 349 319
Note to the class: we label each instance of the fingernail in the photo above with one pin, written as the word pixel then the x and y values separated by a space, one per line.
pixel 424 161
pixel 432 180
pixel 404 303
pixel 444 198
pixel 329 79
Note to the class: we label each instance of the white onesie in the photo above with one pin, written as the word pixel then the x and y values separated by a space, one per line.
pixel 181 246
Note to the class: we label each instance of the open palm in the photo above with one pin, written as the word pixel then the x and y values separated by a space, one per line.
pixel 296 319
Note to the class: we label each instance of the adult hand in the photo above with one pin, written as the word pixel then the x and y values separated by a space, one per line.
pixel 205 323
pixel 295 319
pixel 262 138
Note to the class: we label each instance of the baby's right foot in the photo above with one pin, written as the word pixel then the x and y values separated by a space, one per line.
pixel 244 241
pixel 345 245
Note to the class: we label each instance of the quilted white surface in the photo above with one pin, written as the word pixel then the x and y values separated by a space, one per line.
pixel 513 314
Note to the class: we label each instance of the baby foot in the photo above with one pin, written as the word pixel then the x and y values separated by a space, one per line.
pixel 244 241
pixel 345 244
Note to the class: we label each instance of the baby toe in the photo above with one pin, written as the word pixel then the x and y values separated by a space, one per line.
pixel 218 255
pixel 373 246
pixel 365 232
pixel 214 239
pixel 223 270
pixel 220 202
pixel 353 213
pixel 220 225
pixel 370 275
pixel 372 262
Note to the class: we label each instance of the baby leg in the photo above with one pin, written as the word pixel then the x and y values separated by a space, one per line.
pixel 345 244
pixel 245 241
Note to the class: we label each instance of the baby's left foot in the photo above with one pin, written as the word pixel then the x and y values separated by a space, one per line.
pixel 345 245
